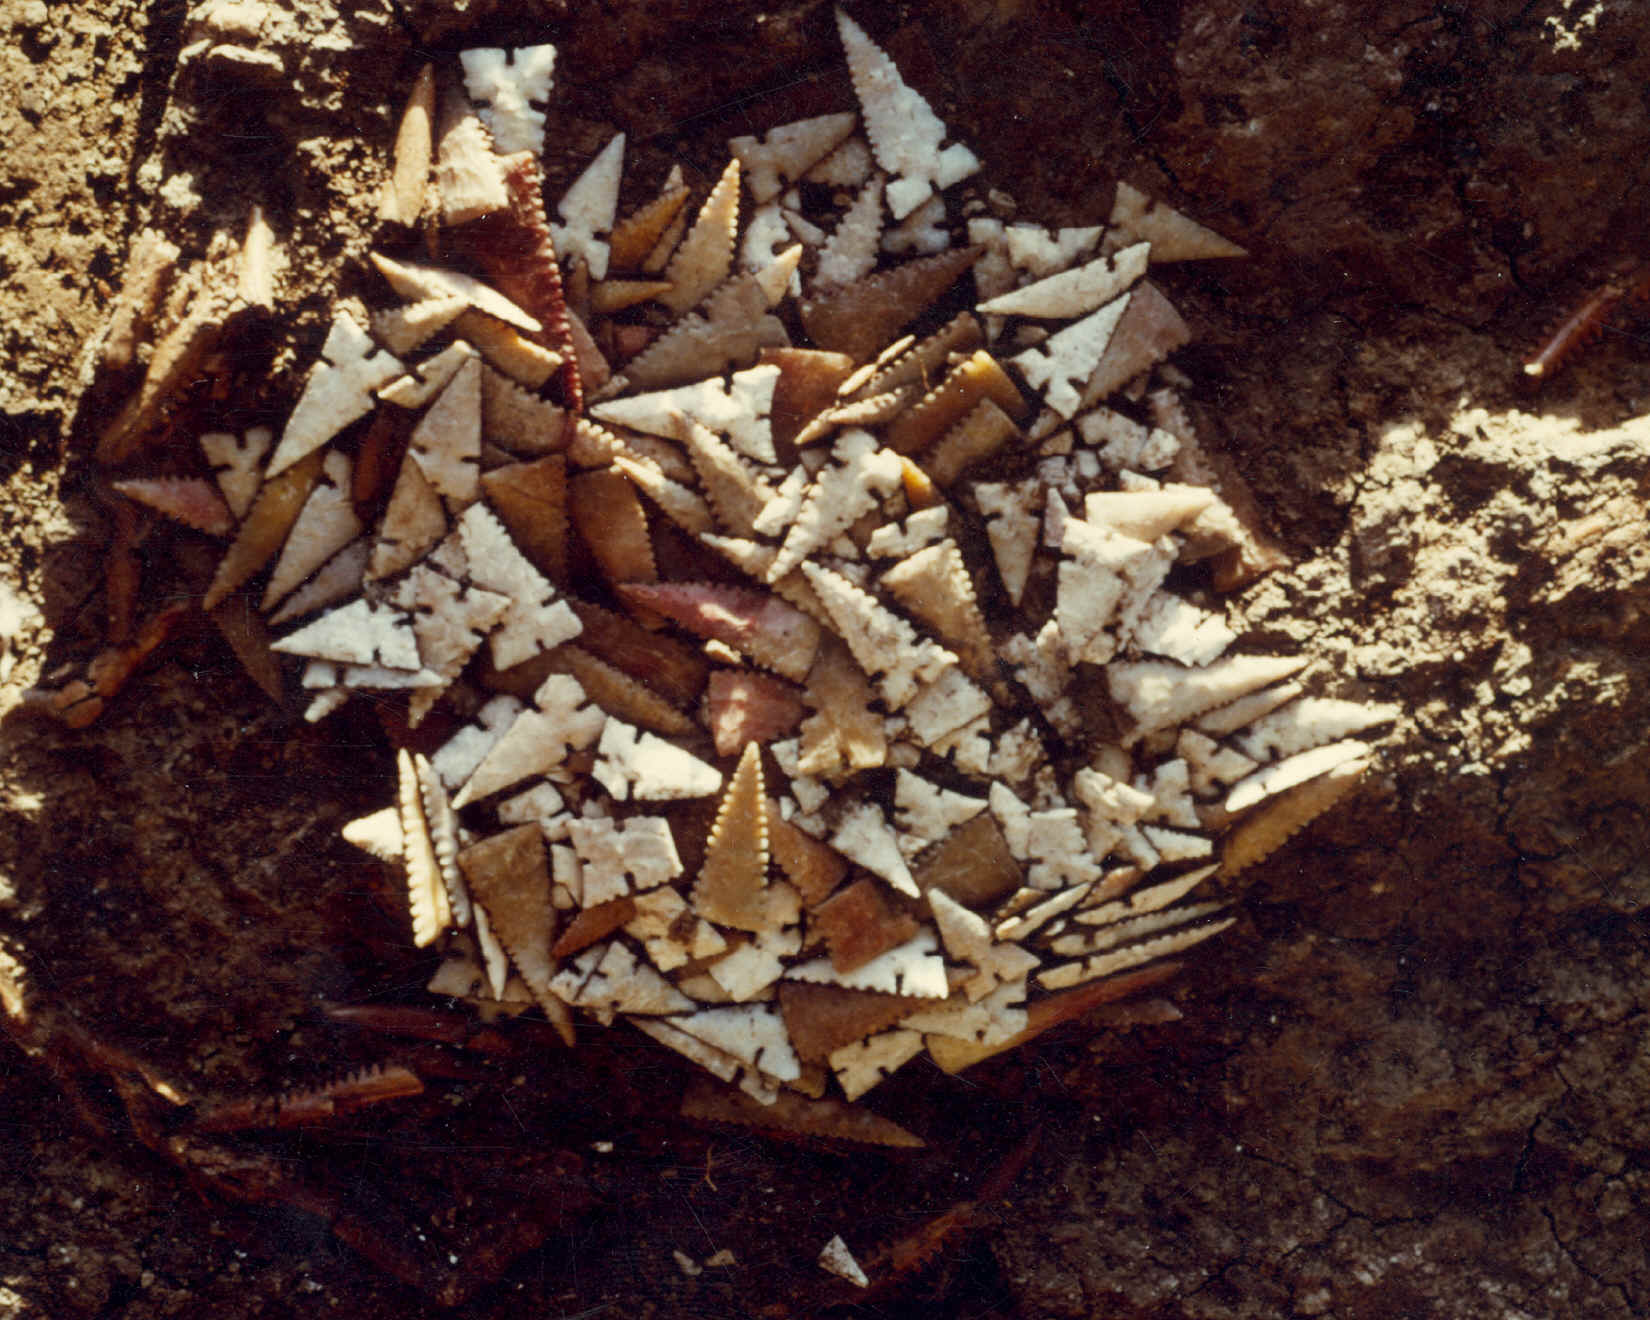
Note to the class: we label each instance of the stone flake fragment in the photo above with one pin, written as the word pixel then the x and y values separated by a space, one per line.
pixel 469 174
pixel 858 925
pixel 851 251
pixel 429 377
pixel 449 621
pixel 609 978
pixel 508 877
pixel 1102 569
pixel 905 133
pixel 340 576
pixel 858 318
pixel 884 645
pixel 997 1017
pixel 635 236
pixel 447 439
pixel 402 199
pixel 732 329
pixel 1310 722
pixel 968 939
pixel 766 629
pixel 412 524
pixel 1172 626
pixel 1293 770
pixel 192 501
pixel 378 833
pixel 1062 975
pixel 752 1033
pixel 670 931
pixel 1270 825
pixel 835 1257
pixel 418 283
pixel 1013 529
pixel 934 585
pixel 752 966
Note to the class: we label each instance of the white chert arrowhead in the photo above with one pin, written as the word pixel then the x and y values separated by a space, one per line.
pixel 905 133
pixel 338 391
pixel 507 83
pixel 587 210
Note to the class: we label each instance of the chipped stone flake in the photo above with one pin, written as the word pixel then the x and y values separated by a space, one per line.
pixel 611 979
pixel 851 251
pixel 705 256
pixel 418 283
pixel 1172 626
pixel 447 439
pixel 1159 694
pixel 835 1257
pixel 926 813
pixel 1297 769
pixel 1310 722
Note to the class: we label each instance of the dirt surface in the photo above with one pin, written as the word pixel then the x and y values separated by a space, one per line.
pixel 1411 1082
